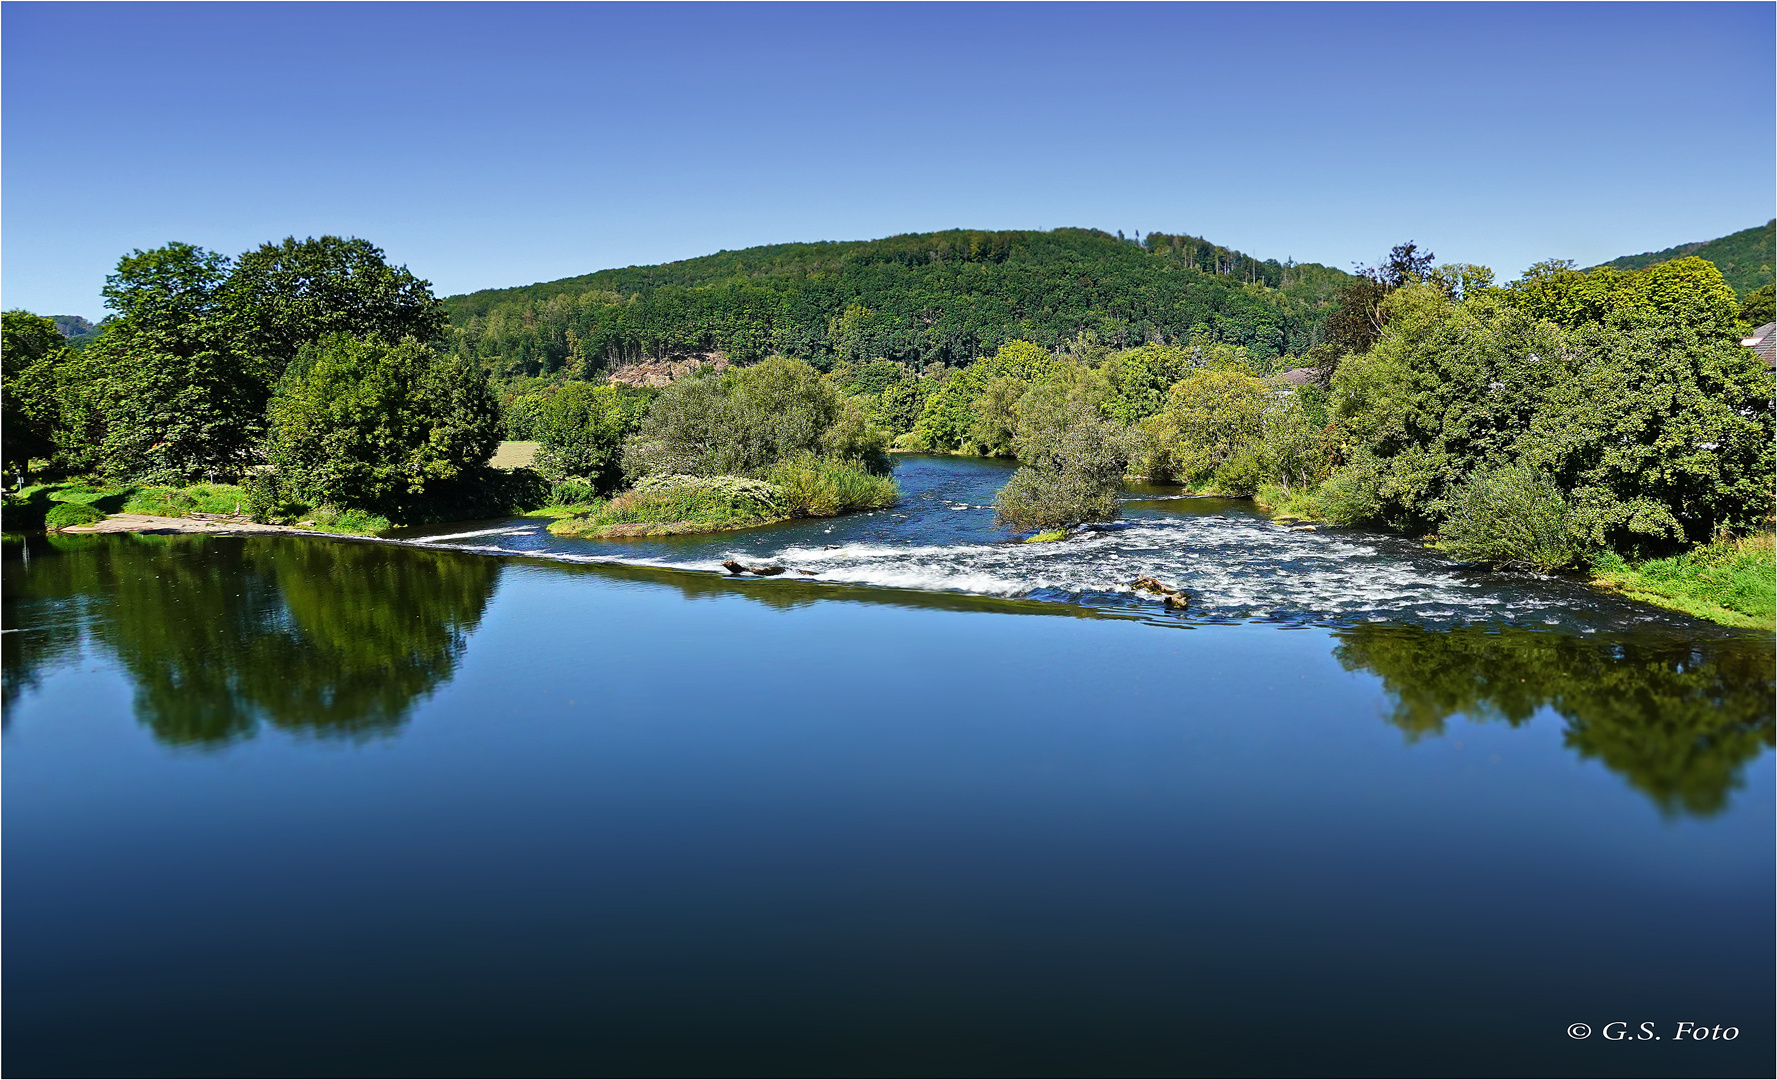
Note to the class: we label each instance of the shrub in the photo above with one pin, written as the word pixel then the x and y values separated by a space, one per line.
pixel 1352 496
pixel 1511 517
pixel 1050 498
pixel 65 514
pixel 572 492
pixel 1241 474
pixel 582 428
pixel 740 422
pixel 811 486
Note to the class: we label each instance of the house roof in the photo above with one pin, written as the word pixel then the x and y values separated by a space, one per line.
pixel 1764 342
pixel 1301 376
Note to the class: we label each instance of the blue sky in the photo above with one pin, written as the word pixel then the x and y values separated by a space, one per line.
pixel 502 145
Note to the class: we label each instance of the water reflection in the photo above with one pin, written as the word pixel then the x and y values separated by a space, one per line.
pixel 220 635
pixel 1678 719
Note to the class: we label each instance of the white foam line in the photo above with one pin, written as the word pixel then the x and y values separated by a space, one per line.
pixel 503 531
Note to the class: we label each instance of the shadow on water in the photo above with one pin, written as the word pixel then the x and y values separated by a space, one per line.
pixel 338 639
pixel 220 635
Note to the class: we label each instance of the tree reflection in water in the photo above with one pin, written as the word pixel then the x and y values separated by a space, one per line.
pixel 1678 719
pixel 220 635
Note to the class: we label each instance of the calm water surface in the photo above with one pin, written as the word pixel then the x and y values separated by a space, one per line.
pixel 489 802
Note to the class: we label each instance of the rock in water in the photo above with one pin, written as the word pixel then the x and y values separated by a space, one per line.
pixel 734 567
pixel 1173 599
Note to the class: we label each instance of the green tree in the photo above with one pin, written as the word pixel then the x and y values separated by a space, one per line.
pixel 1760 306
pixel 165 394
pixel 1213 416
pixel 281 297
pixel 1071 460
pixel 582 429
pixel 359 422
pixel 1656 428
pixel 31 353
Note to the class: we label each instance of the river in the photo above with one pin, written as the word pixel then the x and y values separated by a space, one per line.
pixel 489 802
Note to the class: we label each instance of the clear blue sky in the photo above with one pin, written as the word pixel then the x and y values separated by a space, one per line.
pixel 503 145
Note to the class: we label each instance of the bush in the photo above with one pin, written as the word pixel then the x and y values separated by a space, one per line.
pixel 1050 498
pixel 1074 461
pixel 1241 474
pixel 1511 517
pixel 582 428
pixel 811 486
pixel 572 493
pixel 65 514
pixel 1352 496
pixel 740 423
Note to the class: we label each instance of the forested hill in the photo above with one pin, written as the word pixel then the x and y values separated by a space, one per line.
pixel 1745 258
pixel 921 298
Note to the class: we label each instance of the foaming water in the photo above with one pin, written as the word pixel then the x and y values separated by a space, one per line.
pixel 1236 563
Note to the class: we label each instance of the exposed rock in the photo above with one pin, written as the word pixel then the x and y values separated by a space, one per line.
pixel 734 567
pixel 1173 599
pixel 659 373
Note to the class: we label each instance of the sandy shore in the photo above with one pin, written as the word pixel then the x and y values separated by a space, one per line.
pixel 149 523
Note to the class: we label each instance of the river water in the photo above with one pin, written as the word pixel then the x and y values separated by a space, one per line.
pixel 488 802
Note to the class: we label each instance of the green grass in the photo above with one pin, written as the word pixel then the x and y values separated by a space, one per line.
pixel 1299 504
pixel 557 511
pixel 64 514
pixel 1047 537
pixel 812 486
pixel 185 501
pixel 1732 582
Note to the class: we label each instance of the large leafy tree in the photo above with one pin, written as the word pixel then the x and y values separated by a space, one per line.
pixel 1654 426
pixel 166 393
pixel 284 296
pixel 31 352
pixel 360 422
pixel 1357 322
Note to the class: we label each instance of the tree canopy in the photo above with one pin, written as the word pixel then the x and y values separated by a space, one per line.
pixel 920 299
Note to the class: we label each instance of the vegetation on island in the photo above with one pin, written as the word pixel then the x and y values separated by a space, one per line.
pixel 749 446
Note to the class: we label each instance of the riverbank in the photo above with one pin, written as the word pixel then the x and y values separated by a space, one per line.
pixel 1731 582
pixel 207 525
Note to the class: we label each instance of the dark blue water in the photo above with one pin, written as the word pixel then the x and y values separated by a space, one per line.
pixel 283 806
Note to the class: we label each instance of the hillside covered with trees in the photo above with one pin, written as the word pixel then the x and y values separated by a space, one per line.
pixel 1746 259
pixel 919 299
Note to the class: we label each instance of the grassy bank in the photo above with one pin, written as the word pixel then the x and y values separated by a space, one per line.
pixel 679 505
pixel 74 502
pixel 1732 582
